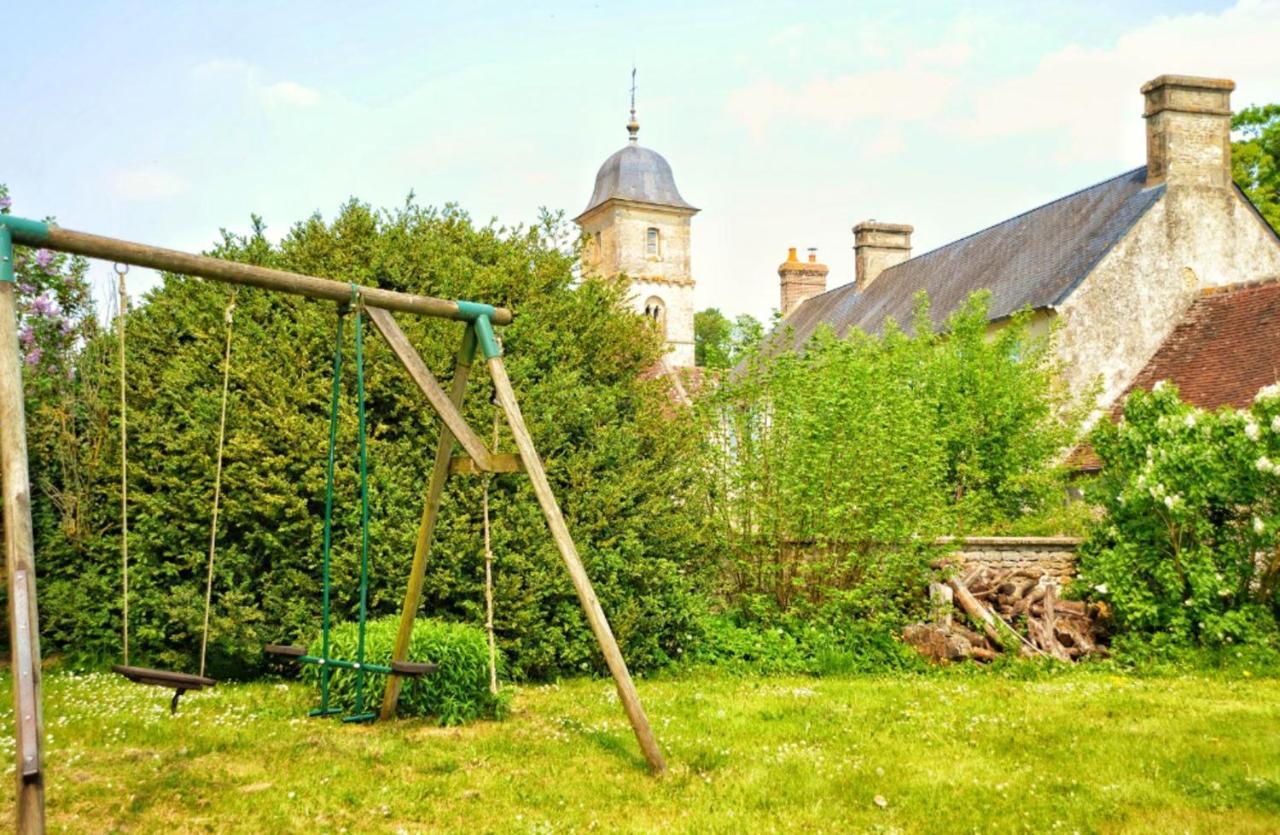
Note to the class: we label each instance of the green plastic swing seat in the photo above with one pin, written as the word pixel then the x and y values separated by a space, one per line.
pixel 178 682
pixel 408 669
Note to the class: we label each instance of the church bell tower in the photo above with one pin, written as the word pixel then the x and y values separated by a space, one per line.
pixel 637 228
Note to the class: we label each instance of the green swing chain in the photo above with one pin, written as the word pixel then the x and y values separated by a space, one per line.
pixel 325 618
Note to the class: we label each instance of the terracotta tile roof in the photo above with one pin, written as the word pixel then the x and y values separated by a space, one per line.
pixel 1226 347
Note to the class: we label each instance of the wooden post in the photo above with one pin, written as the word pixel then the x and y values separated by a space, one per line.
pixel 19 550
pixel 427 524
pixel 569 552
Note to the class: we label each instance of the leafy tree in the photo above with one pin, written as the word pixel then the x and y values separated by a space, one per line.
pixel 576 356
pixel 839 465
pixel 1255 158
pixel 1190 547
pixel 721 343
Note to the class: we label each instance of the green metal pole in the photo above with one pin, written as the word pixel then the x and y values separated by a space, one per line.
pixel 360 715
pixel 326 671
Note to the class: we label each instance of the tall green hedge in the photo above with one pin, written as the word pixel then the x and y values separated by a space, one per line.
pixel 624 470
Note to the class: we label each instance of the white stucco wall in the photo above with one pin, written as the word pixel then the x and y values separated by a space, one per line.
pixel 1117 318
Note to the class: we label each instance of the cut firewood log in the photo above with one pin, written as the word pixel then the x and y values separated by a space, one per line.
pixel 1036 595
pixel 1048 631
pixel 980 613
pixel 982 654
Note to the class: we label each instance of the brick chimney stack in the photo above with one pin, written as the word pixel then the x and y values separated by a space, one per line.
pixel 1188 131
pixel 800 280
pixel 877 247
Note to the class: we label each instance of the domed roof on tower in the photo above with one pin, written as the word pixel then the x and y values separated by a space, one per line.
pixel 636 173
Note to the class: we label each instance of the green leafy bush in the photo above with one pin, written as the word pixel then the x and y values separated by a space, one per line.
pixel 455 694
pixel 836 467
pixel 1189 544
pixel 623 468
pixel 800 646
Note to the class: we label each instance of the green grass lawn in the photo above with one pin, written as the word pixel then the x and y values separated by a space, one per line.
pixel 946 753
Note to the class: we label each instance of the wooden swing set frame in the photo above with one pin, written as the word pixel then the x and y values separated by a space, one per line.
pixel 479 320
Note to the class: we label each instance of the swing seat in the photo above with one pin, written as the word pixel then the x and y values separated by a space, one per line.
pixel 413 669
pixel 286 650
pixel 178 682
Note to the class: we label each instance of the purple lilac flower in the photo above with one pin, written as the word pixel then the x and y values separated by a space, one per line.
pixel 5 202
pixel 42 305
pixel 67 326
pixel 44 258
pixel 33 356
pixel 26 289
pixel 27 336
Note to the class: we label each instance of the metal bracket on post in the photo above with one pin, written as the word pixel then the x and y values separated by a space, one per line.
pixel 6 254
pixel 24 671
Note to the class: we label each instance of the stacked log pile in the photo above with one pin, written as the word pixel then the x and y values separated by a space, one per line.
pixel 1017 610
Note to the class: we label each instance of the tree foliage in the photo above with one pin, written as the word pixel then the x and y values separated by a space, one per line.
pixel 719 342
pixel 838 466
pixel 625 480
pixel 1190 546
pixel 1255 158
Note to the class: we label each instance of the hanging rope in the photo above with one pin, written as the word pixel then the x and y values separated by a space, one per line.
pixel 121 271
pixel 488 572
pixel 217 481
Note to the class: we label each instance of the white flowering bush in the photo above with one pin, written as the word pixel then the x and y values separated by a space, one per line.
pixel 1188 546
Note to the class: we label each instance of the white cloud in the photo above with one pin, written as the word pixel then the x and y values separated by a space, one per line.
pixel 1077 94
pixel 1084 93
pixel 285 92
pixel 147 182
pixel 917 90
pixel 837 102
pixel 290 93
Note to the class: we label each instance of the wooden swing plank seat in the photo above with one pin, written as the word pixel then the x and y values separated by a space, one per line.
pixel 479 320
pixel 179 683
pixel 163 678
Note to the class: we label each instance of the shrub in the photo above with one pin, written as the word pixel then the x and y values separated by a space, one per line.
pixel 838 465
pixel 455 694
pixel 1189 543
pixel 801 646
pixel 625 472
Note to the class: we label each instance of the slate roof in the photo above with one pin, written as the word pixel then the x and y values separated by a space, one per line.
pixel 639 174
pixel 1032 260
pixel 1225 348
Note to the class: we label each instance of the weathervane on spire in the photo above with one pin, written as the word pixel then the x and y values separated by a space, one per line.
pixel 633 127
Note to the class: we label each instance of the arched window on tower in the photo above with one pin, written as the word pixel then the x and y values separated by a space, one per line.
pixel 655 309
pixel 651 242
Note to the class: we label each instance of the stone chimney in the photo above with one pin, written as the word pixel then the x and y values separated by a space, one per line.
pixel 877 247
pixel 800 280
pixel 1188 131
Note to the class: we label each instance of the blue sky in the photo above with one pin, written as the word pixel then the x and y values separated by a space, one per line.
pixel 163 122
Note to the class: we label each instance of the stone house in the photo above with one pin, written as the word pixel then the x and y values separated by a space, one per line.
pixel 1163 269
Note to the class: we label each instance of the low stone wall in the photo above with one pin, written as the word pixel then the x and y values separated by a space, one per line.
pixel 1055 555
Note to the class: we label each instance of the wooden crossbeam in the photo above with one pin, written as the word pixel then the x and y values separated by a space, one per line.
pixel 499 462
pixel 426 381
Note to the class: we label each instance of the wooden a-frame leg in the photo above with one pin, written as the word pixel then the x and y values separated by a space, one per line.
pixel 569 552
pixel 19 555
pixel 427 524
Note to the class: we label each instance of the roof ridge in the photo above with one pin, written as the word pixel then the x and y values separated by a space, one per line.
pixel 1045 205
